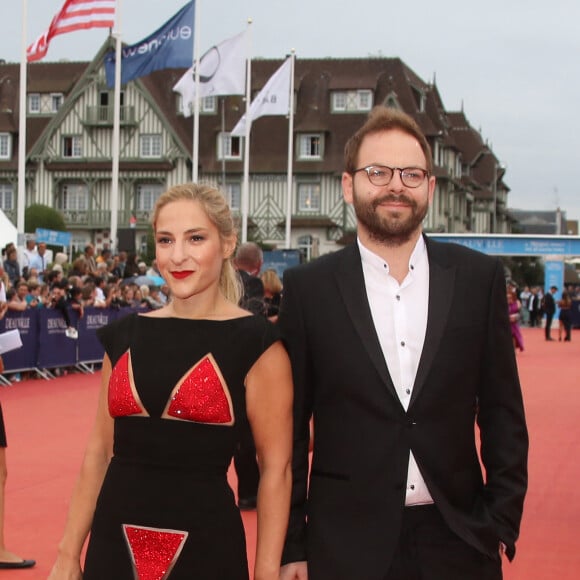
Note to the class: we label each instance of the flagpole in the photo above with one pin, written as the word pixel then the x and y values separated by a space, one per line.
pixel 290 154
pixel 21 201
pixel 195 148
pixel 116 131
pixel 246 179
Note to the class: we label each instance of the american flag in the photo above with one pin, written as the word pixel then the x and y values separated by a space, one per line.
pixel 74 15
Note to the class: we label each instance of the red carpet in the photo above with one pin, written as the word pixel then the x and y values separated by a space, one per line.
pixel 48 423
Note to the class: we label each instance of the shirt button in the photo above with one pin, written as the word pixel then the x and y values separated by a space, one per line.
pixel 402 343
pixel 398 297
pixel 408 391
pixel 411 487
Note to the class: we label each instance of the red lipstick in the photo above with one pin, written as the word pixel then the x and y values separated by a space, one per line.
pixel 181 274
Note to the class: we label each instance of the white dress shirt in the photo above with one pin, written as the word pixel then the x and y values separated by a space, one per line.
pixel 399 313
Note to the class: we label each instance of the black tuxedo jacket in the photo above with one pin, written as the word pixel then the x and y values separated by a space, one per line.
pixel 346 514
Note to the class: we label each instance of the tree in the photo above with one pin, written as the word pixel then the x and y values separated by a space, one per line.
pixel 44 217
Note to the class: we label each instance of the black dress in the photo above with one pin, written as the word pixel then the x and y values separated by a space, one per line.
pixel 177 394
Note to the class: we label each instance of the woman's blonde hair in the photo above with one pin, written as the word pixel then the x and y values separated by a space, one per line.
pixel 271 281
pixel 217 210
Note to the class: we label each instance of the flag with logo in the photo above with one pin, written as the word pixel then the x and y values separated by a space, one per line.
pixel 222 71
pixel 171 46
pixel 74 15
pixel 273 99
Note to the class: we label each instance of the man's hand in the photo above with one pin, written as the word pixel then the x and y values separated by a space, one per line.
pixel 294 571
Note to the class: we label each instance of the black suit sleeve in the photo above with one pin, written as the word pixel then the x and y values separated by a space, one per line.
pixel 291 324
pixel 502 425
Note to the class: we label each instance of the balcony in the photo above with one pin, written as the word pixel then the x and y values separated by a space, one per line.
pixel 102 116
pixel 100 219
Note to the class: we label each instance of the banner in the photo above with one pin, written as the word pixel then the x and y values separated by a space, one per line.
pixel 171 46
pixel 55 349
pixel 222 71
pixel 26 322
pixel 90 348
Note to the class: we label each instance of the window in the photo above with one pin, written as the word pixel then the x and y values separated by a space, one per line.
pixel 310 146
pixel 234 196
pixel 208 105
pixel 5 146
pixel 147 195
pixel 55 102
pixel 351 101
pixel 150 145
pixel 74 197
pixel 309 197
pixel 34 103
pixel 229 147
pixel 6 196
pixel 72 146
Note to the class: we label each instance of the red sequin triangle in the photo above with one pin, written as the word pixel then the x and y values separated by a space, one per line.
pixel 154 551
pixel 122 401
pixel 201 396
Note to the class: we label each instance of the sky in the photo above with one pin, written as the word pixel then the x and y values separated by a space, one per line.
pixel 512 65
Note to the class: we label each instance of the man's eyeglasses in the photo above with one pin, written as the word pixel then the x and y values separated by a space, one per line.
pixel 382 175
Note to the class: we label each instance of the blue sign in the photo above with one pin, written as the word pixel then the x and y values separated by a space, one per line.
pixel 53 237
pixel 279 260
pixel 515 245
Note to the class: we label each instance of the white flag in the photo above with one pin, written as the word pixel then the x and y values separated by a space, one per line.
pixel 273 99
pixel 222 71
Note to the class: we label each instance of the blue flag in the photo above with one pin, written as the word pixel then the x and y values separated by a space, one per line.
pixel 171 46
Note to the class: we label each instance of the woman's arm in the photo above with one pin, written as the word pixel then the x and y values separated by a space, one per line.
pixel 82 506
pixel 269 408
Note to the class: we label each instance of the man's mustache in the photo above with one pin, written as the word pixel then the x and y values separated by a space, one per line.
pixel 394 198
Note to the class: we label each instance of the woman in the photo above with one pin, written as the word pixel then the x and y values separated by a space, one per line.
pixel 8 560
pixel 565 317
pixel 514 307
pixel 177 382
pixel 272 293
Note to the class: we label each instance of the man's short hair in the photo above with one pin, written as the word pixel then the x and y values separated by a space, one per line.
pixel 385 119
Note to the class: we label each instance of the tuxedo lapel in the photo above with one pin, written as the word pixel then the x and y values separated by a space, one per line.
pixel 441 283
pixel 350 281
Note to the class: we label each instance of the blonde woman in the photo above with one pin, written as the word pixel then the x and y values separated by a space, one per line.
pixel 177 382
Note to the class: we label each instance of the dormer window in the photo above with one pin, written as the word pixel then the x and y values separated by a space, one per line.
pixel 310 146
pixel 351 101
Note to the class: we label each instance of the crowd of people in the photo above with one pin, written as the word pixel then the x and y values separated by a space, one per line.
pixel 531 307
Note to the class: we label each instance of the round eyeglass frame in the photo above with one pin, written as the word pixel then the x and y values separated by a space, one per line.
pixel 403 174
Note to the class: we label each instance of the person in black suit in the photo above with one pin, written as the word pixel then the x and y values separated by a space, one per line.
pixel 399 345
pixel 549 309
pixel 248 263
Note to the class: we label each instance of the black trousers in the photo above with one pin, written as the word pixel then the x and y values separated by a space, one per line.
pixel 548 328
pixel 429 550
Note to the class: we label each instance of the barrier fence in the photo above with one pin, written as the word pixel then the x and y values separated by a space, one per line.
pixel 45 345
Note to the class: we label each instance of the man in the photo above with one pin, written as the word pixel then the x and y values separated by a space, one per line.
pixel 398 345
pixel 29 254
pixel 549 308
pixel 89 255
pixel 248 262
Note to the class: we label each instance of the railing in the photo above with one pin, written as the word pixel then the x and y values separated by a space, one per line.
pixel 101 218
pixel 103 116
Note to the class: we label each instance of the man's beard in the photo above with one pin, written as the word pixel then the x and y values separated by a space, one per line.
pixel 392 229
